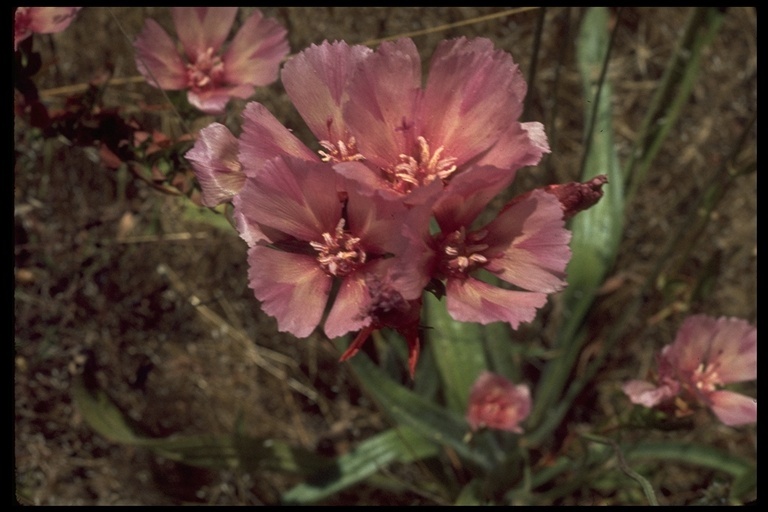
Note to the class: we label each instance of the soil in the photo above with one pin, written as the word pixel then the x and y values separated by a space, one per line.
pixel 120 281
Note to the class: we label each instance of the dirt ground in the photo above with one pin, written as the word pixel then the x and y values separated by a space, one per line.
pixel 115 275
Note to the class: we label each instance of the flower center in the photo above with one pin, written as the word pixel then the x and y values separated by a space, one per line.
pixel 206 71
pixel 340 253
pixel 341 152
pixel 460 253
pixel 411 172
pixel 706 377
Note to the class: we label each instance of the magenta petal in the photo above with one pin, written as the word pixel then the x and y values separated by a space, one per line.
pixel 531 242
pixel 293 196
pixel 214 160
pixel 255 53
pixel 316 81
pixel 376 220
pixel 157 58
pixel 471 300
pixel 733 409
pixel 473 95
pixel 264 138
pixel 291 287
pixel 200 28
pixel 383 99
pixel 349 308
pixel 734 348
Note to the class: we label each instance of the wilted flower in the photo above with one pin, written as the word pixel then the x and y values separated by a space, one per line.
pixel 707 354
pixel 41 20
pixel 211 74
pixel 495 402
pixel 216 165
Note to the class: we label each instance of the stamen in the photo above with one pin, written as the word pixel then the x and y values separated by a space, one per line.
pixel 411 172
pixel 462 253
pixel 340 253
pixel 340 152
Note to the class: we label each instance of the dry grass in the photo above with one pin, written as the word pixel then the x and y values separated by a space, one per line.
pixel 89 243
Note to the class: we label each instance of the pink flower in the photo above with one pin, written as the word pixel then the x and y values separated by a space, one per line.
pixel 707 354
pixel 211 74
pixel 317 228
pixel 42 20
pixel 495 402
pixel 526 245
pixel 465 116
pixel 217 168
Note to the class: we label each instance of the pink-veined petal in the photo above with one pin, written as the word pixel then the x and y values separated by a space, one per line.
pixel 733 409
pixel 200 28
pixel 520 145
pixel 157 59
pixel 531 242
pixel 375 219
pixel 293 196
pixel 349 307
pixel 264 138
pixel 316 81
pixel 383 98
pixel 471 97
pixel 256 51
pixel 470 300
pixel 213 102
pixel 214 160
pixel 291 287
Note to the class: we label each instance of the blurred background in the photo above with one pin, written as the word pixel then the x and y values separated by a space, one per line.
pixel 138 292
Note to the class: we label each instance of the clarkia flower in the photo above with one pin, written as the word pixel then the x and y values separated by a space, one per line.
pixel 316 228
pixel 495 402
pixel 40 20
pixel 211 74
pixel 465 116
pixel 707 354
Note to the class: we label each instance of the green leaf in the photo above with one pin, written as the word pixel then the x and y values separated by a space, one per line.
pixel 597 231
pixel 402 445
pixel 209 451
pixel 458 351
pixel 704 456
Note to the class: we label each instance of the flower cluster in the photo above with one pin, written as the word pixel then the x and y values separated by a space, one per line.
pixel 210 74
pixel 707 354
pixel 352 221
pixel 495 402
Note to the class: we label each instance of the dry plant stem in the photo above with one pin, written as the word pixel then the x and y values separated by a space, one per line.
pixel 534 61
pixel 256 354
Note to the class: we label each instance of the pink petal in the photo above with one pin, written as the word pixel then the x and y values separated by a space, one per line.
pixel 157 58
pixel 291 287
pixel 733 409
pixel 473 94
pixel 383 97
pixel 316 81
pixel 376 220
pixel 264 138
pixel 214 159
pixel 532 244
pixel 293 196
pixel 730 344
pixel 256 51
pixel 646 394
pixel 49 20
pixel 471 300
pixel 520 145
pixel 349 307
pixel 213 101
pixel 200 28
pixel 495 402
pixel 468 194
pixel 734 348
